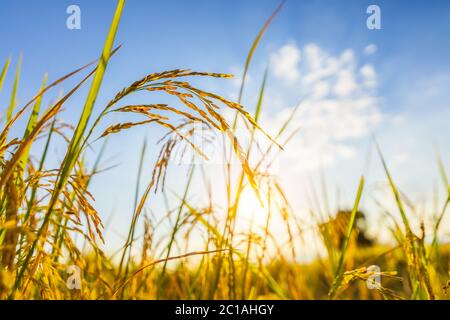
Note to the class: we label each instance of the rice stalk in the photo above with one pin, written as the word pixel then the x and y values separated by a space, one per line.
pixel 339 271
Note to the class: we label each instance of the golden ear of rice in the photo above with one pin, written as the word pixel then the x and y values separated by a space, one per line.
pixel 186 93
pixel 123 126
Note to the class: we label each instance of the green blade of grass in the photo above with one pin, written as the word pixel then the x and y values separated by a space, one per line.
pixel 35 111
pixel 12 103
pixel 136 199
pixel 78 135
pixel 442 171
pixel 178 220
pixel 73 149
pixel 4 71
pixel 33 120
pixel 394 190
pixel 261 96
pixel 340 269
pixel 252 51
pixel 444 178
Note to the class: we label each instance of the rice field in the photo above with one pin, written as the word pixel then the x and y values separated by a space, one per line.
pixel 49 222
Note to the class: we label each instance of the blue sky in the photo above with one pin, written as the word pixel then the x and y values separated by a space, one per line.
pixel 155 32
pixel 408 63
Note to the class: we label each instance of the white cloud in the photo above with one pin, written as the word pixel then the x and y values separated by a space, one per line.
pixel 314 56
pixel 345 84
pixel 320 89
pixel 284 62
pixel 400 158
pixel 370 49
pixel 369 75
pixel 339 108
pixel 348 56
pixel 339 112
